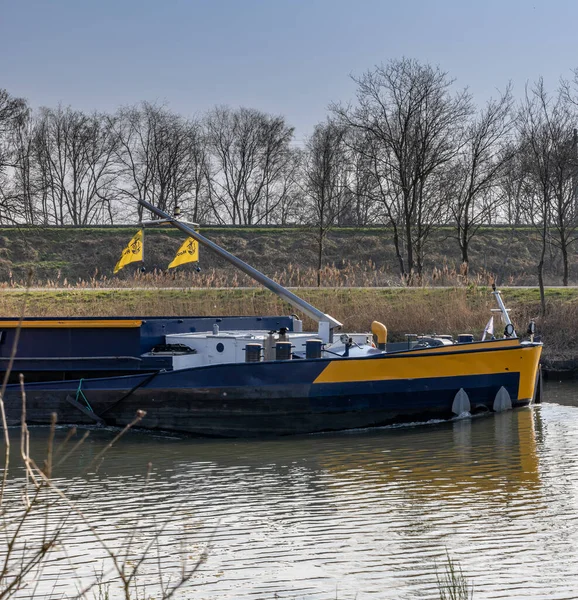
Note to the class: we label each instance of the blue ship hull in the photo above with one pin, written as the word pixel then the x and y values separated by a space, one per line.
pixel 294 396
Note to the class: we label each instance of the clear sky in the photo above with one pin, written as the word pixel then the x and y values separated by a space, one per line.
pixel 289 57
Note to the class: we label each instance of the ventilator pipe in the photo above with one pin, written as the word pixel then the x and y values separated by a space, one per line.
pixel 379 330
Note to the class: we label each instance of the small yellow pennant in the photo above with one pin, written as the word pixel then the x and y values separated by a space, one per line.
pixel 132 253
pixel 188 252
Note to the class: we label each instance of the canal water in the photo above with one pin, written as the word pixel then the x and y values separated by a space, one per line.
pixel 362 514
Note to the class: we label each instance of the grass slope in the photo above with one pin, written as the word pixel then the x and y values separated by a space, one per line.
pixel 355 256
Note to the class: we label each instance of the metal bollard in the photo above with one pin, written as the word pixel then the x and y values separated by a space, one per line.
pixel 313 348
pixel 253 353
pixel 282 350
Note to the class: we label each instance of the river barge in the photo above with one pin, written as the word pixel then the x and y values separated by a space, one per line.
pixel 230 377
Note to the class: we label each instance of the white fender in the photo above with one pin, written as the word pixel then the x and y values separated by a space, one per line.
pixel 502 401
pixel 461 403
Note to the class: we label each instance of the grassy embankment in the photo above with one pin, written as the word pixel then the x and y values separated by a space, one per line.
pixel 353 256
pixel 409 310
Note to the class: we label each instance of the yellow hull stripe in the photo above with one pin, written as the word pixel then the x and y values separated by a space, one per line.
pixel 426 365
pixel 73 324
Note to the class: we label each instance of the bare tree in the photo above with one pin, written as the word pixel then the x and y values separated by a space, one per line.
pixel 360 181
pixel 289 205
pixel 75 154
pixel 163 159
pixel 250 155
pixel 199 175
pixel 13 113
pixel 413 126
pixel 564 217
pixel 475 172
pixel 546 144
pixel 325 181
pixel 511 184
pixel 26 184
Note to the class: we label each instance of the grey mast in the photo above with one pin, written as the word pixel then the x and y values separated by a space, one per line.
pixel 326 322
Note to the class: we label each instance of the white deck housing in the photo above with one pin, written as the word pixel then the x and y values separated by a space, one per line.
pixel 211 348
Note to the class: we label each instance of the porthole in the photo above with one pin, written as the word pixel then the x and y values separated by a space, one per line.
pixel 220 347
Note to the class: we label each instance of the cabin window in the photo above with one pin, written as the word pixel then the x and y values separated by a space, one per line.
pixel 220 347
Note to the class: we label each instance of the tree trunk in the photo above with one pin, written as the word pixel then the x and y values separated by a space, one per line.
pixel 409 251
pixel 541 272
pixel 465 268
pixel 464 247
pixel 319 257
pixel 565 261
pixel 398 254
pixel 541 286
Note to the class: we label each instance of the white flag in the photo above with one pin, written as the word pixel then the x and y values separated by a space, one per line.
pixel 489 330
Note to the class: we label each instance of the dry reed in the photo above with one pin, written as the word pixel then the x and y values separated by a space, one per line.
pixel 402 311
pixel 347 274
pixel 408 310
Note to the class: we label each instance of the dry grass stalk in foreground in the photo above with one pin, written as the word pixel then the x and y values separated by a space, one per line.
pixel 452 583
pixel 38 519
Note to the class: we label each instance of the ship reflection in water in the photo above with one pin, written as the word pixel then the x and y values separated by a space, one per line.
pixel 366 514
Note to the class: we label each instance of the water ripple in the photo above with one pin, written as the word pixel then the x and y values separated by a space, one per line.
pixel 366 514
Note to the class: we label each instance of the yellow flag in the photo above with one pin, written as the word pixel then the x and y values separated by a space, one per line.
pixel 188 252
pixel 132 253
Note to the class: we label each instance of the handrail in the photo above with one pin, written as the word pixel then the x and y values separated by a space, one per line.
pixel 503 310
